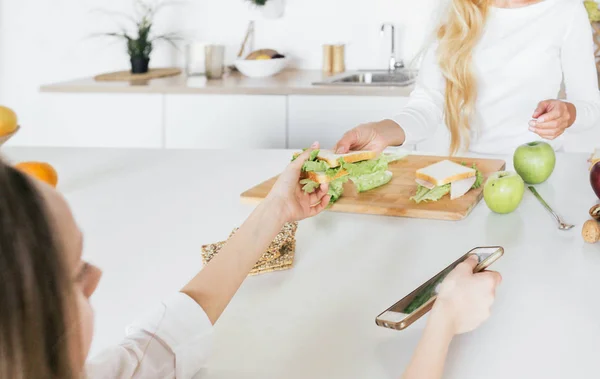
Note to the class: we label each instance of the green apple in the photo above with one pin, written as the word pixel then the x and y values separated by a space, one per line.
pixel 534 161
pixel 503 191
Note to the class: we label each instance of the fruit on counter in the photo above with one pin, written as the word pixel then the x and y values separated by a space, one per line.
pixel 595 178
pixel 534 161
pixel 595 212
pixel 503 191
pixel 591 231
pixel 8 121
pixel 40 170
pixel 264 54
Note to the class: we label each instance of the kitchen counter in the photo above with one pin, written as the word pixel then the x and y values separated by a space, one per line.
pixel 146 213
pixel 289 82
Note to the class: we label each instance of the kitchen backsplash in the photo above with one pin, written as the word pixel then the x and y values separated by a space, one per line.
pixel 67 49
pixel 307 24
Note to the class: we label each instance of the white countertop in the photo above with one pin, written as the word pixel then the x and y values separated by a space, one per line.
pixel 146 213
pixel 288 82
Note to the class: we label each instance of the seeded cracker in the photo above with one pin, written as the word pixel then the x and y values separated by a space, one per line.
pixel 279 254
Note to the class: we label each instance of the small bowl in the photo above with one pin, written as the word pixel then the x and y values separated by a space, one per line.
pixel 6 137
pixel 261 68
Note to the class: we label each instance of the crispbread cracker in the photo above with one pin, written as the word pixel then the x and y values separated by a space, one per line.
pixel 279 255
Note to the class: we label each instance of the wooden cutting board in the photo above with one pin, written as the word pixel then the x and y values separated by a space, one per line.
pixel 392 199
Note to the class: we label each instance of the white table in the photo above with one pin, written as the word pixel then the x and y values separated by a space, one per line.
pixel 146 213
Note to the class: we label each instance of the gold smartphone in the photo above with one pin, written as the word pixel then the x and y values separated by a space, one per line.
pixel 420 301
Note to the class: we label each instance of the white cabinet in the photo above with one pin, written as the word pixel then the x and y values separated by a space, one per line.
pixel 327 118
pixel 225 121
pixel 90 120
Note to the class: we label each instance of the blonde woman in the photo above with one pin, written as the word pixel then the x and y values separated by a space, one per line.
pixel 493 76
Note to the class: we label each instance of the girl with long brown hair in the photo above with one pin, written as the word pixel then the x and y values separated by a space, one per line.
pixel 493 77
pixel 46 320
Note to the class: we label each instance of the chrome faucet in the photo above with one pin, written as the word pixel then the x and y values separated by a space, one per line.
pixel 394 64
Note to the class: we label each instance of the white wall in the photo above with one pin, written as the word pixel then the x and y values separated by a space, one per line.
pixel 47 41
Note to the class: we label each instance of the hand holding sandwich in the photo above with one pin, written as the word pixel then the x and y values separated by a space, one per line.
pixel 214 286
pixel 289 197
pixel 374 136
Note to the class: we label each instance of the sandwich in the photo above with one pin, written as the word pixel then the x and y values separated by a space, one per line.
pixel 365 170
pixel 445 177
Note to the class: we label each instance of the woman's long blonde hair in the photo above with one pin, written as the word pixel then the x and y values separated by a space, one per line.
pixel 457 37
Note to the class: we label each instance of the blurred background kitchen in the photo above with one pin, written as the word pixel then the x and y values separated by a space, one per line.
pixel 329 66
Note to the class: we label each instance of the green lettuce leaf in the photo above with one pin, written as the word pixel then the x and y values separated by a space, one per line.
pixel 315 166
pixel 479 180
pixel 478 174
pixel 365 167
pixel 336 188
pixel 370 181
pixel 313 155
pixel 296 156
pixel 309 186
pixel 425 194
pixel 389 158
pixel 371 166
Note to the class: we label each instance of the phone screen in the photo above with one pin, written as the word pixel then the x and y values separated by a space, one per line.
pixel 425 293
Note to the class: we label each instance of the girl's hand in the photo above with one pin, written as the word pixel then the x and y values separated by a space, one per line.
pixel 375 136
pixel 465 299
pixel 552 117
pixel 290 199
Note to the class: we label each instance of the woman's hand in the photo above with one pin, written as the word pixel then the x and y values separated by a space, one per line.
pixel 374 136
pixel 465 299
pixel 287 194
pixel 551 118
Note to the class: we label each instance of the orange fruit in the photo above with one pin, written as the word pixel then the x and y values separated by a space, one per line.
pixel 40 170
pixel 8 121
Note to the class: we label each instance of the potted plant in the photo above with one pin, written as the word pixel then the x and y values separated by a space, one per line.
pixel 270 8
pixel 141 42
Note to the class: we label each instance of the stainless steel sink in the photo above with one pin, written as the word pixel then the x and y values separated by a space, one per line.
pixel 398 78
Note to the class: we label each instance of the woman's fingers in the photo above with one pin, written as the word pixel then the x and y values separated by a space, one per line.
pixel 303 157
pixel 321 206
pixel 317 196
pixel 348 141
pixel 541 108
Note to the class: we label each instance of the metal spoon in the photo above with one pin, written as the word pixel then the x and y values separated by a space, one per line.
pixel 561 224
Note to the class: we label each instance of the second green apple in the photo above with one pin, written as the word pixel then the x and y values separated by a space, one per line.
pixel 503 191
pixel 534 161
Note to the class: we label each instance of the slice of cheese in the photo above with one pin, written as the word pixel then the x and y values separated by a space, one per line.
pixel 460 187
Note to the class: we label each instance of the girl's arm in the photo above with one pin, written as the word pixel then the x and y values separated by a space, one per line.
pixel 214 286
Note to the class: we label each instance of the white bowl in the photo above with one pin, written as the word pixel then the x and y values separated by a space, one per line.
pixel 261 68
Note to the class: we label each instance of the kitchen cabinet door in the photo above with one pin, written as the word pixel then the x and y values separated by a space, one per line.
pixel 225 121
pixel 90 120
pixel 327 118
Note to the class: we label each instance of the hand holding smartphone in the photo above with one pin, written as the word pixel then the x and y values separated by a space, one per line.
pixel 412 307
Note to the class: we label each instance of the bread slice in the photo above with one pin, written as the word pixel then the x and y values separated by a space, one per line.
pixel 333 159
pixel 321 177
pixel 444 172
